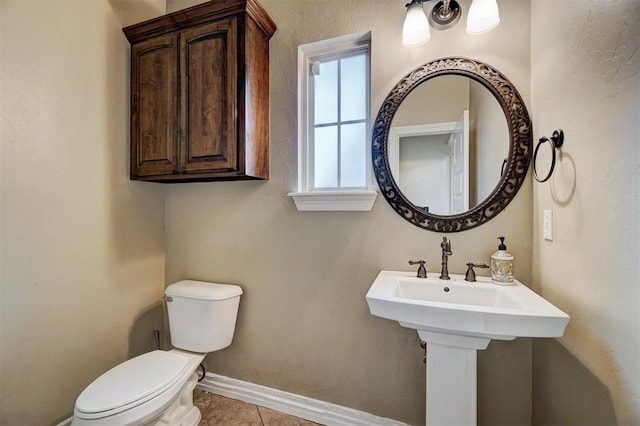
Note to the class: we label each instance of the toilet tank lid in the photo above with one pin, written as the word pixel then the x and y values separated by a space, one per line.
pixel 203 290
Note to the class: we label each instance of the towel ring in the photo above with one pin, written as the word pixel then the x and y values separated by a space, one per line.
pixel 556 140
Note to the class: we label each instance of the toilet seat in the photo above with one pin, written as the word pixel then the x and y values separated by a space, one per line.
pixel 132 383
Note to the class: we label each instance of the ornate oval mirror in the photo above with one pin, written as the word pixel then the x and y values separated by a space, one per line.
pixel 451 145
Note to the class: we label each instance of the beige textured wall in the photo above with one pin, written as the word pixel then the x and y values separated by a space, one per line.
pixel 586 80
pixel 82 247
pixel 303 324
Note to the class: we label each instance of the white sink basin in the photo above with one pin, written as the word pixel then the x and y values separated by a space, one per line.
pixel 456 307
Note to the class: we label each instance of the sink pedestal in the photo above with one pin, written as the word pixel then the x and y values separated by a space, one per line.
pixel 451 385
pixel 451 377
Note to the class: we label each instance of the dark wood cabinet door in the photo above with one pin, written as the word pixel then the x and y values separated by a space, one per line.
pixel 209 90
pixel 154 107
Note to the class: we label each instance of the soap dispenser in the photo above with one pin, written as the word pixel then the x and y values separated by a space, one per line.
pixel 502 265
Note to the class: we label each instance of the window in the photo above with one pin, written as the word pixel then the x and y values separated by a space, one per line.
pixel 333 125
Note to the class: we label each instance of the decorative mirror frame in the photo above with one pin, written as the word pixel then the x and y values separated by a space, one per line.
pixel 520 135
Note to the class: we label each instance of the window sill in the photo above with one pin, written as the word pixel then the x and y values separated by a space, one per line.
pixel 342 200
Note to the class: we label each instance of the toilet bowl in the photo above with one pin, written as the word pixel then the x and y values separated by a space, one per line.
pixel 156 388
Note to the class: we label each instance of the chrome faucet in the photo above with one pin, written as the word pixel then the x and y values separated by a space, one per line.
pixel 446 252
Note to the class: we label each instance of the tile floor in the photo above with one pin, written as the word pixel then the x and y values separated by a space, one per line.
pixel 218 410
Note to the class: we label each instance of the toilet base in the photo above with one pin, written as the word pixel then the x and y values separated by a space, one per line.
pixel 181 411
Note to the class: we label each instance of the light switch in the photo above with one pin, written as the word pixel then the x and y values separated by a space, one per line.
pixel 547 226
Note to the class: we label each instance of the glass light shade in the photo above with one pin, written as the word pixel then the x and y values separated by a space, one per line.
pixel 483 16
pixel 415 30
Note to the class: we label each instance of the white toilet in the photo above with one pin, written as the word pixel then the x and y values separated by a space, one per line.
pixel 156 388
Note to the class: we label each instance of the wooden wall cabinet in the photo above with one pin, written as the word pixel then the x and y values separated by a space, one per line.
pixel 200 93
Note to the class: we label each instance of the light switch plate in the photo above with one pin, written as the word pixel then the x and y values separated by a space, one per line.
pixel 547 226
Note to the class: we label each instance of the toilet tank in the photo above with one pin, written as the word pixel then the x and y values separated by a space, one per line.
pixel 202 315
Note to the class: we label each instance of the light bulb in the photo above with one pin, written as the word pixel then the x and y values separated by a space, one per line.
pixel 415 30
pixel 483 16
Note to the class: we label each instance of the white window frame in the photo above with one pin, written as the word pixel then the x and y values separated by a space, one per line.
pixel 329 199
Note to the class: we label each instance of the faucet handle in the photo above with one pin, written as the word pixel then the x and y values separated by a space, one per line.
pixel 471 274
pixel 422 271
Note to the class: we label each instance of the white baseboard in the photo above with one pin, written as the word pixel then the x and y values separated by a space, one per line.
pixel 296 405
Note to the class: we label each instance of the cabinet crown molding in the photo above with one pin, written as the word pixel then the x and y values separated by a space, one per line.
pixel 198 14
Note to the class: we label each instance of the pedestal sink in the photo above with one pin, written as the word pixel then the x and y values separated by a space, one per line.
pixel 456 318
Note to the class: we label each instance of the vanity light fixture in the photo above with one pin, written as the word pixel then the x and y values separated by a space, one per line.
pixel 415 30
pixel 483 17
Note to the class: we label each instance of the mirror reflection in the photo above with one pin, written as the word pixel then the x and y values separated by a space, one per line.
pixel 447 144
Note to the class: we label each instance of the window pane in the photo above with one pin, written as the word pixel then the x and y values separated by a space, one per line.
pixel 353 88
pixel 325 152
pixel 353 154
pixel 325 93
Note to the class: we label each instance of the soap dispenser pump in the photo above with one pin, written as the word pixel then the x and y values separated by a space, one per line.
pixel 502 265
